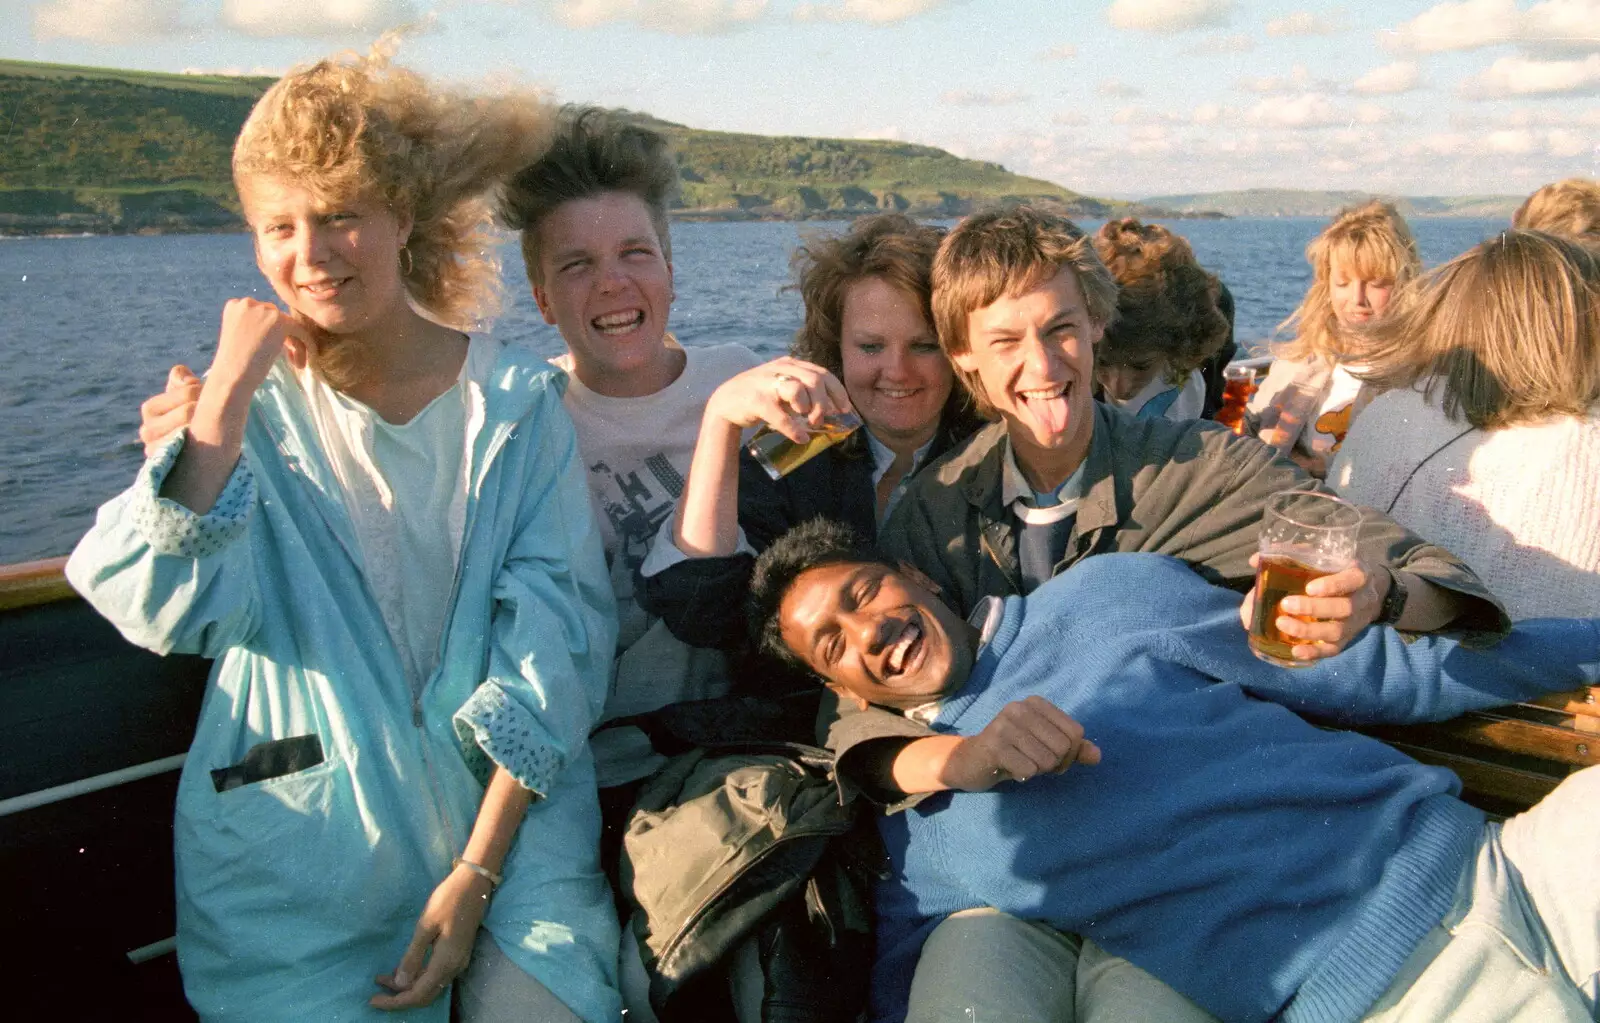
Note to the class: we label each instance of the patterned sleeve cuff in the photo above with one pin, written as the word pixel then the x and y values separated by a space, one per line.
pixel 170 528
pixel 494 730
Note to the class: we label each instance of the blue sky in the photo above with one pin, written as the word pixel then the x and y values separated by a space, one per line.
pixel 1128 98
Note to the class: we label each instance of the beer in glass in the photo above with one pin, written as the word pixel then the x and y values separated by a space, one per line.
pixel 1240 385
pixel 780 456
pixel 1305 535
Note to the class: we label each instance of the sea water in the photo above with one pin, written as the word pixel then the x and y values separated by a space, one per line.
pixel 89 327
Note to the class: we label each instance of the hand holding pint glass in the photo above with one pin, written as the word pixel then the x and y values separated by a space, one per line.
pixel 779 455
pixel 1305 535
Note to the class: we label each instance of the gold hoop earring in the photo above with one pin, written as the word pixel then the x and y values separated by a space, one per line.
pixel 407 264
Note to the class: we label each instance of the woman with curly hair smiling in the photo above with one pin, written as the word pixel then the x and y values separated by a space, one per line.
pixel 867 343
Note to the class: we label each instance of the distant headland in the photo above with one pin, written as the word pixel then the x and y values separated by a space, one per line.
pixel 105 151
pixel 99 150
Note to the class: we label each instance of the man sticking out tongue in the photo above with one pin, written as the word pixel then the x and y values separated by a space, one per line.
pixel 1020 302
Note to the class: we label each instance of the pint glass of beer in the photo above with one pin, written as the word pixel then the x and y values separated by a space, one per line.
pixel 1240 385
pixel 780 456
pixel 1304 536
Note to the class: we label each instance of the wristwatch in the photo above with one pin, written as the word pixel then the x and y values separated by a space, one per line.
pixel 1394 602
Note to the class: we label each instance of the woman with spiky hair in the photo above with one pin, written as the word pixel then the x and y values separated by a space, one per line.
pixel 1310 396
pixel 377 526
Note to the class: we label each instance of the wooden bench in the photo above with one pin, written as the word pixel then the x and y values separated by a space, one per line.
pixel 1509 758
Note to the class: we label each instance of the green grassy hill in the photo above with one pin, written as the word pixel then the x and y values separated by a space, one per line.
pixel 1288 202
pixel 101 150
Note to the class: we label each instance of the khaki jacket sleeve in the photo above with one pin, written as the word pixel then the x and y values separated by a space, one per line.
pixel 1221 496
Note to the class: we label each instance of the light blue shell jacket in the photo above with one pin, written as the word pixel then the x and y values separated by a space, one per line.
pixel 295 891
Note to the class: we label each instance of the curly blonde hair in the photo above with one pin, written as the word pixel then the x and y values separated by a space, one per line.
pixel 1507 332
pixel 1374 242
pixel 1570 207
pixel 358 127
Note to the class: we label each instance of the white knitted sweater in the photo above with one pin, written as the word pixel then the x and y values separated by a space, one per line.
pixel 1521 505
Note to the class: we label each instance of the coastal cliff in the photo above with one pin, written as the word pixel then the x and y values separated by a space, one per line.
pixel 102 151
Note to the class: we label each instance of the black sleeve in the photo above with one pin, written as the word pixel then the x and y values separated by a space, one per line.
pixel 702 599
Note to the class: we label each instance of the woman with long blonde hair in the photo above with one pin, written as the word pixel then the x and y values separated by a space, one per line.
pixel 377 526
pixel 1487 439
pixel 1309 397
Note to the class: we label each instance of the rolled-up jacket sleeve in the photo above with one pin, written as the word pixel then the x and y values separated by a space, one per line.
pixel 553 626
pixel 172 580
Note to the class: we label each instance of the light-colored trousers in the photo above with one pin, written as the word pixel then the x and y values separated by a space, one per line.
pixel 983 966
pixel 1522 943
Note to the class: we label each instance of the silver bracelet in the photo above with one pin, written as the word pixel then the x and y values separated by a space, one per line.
pixel 479 869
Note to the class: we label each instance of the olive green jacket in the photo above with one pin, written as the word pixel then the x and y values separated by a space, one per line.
pixel 1189 489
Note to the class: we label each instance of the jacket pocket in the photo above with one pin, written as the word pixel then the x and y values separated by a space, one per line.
pixel 266 760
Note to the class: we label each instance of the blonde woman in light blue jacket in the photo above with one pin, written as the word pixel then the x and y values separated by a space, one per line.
pixel 378 528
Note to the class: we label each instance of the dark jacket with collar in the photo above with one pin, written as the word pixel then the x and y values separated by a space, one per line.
pixel 702 600
pixel 1192 490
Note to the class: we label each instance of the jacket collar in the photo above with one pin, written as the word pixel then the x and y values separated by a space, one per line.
pixel 1097 508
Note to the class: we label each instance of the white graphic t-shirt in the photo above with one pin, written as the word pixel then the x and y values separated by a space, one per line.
pixel 637 452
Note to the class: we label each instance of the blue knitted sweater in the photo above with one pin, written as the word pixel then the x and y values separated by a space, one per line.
pixel 1256 863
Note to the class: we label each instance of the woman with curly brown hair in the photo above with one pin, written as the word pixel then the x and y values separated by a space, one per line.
pixel 867 344
pixel 1309 397
pixel 1168 322
pixel 376 525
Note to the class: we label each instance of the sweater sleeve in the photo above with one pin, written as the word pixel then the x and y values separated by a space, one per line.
pixel 1389 677
pixel 169 579
pixel 553 626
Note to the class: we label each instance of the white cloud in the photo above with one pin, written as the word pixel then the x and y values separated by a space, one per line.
pixel 1070 118
pixel 104 21
pixel 1372 113
pixel 1168 16
pixel 1066 51
pixel 1207 113
pixel 1473 24
pixel 1564 142
pixel 1389 80
pixel 1145 117
pixel 1115 89
pixel 872 12
pixel 1219 43
pixel 964 98
pixel 1307 110
pixel 1516 141
pixel 1299 79
pixel 1511 77
pixel 311 18
pixel 674 17
pixel 1305 23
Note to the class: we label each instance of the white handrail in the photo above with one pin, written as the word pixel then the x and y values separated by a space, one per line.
pixel 145 953
pixel 84 786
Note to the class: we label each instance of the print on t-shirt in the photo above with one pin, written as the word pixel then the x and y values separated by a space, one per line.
pixel 635 501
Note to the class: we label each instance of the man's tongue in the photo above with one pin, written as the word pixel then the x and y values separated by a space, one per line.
pixel 1049 413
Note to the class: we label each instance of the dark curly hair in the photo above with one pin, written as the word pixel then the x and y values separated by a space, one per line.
pixel 816 543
